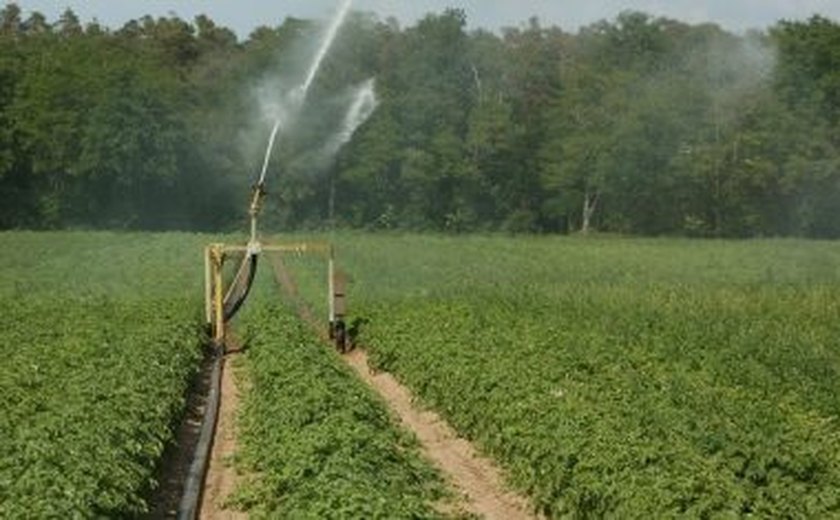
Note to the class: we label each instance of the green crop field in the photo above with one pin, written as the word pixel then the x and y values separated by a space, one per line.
pixel 620 377
pixel 486 191
pixel 100 335
pixel 608 376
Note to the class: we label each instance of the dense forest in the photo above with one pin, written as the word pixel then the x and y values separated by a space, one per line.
pixel 638 125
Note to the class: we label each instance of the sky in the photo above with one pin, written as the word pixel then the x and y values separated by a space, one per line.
pixel 244 15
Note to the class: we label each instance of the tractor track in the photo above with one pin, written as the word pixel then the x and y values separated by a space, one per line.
pixel 476 479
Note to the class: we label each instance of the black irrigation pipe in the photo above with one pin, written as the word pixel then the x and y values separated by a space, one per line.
pixel 191 500
pixel 231 308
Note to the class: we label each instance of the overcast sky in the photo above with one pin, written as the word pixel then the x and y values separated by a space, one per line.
pixel 243 15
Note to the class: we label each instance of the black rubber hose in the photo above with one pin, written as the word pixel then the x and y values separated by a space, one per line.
pixel 191 500
pixel 233 308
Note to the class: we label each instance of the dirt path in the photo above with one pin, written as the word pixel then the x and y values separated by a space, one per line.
pixel 474 476
pixel 221 479
pixel 476 479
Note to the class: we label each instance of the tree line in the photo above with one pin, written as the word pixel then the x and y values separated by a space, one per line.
pixel 637 124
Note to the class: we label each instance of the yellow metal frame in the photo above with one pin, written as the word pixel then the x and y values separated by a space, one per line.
pixel 214 290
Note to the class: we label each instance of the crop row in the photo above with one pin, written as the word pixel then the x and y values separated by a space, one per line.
pixel 319 442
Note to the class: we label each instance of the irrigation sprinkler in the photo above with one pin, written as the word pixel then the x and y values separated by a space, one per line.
pixel 223 300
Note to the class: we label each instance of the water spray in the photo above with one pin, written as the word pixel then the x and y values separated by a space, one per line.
pixel 363 105
pixel 295 100
pixel 259 188
pixel 332 31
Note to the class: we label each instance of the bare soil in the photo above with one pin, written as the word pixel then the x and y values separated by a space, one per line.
pixel 222 479
pixel 475 478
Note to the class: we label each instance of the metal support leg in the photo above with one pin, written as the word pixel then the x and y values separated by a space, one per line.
pixel 208 287
pixel 218 296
